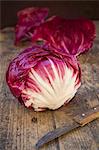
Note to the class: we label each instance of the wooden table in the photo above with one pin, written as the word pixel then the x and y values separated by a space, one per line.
pixel 20 128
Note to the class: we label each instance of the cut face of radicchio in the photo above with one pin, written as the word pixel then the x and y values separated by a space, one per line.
pixel 48 75
pixel 42 80
pixel 28 20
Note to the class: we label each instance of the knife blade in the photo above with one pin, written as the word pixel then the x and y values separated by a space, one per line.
pixel 79 121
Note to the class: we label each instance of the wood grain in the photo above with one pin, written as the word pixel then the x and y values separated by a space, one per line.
pixel 20 128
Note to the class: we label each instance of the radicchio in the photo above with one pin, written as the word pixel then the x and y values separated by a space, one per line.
pixel 41 79
pixel 71 37
pixel 28 20
pixel 48 75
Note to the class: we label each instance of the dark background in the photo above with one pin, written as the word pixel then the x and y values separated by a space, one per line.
pixel 67 9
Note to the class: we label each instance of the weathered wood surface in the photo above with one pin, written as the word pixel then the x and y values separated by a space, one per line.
pixel 20 128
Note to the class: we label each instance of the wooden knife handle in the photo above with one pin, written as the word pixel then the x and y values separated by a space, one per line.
pixel 88 116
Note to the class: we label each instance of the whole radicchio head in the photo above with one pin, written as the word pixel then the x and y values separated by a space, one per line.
pixel 41 79
pixel 66 37
pixel 48 75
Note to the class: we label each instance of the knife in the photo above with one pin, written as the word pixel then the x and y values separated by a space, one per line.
pixel 79 121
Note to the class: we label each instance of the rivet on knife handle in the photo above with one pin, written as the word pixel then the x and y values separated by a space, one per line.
pixel 88 116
